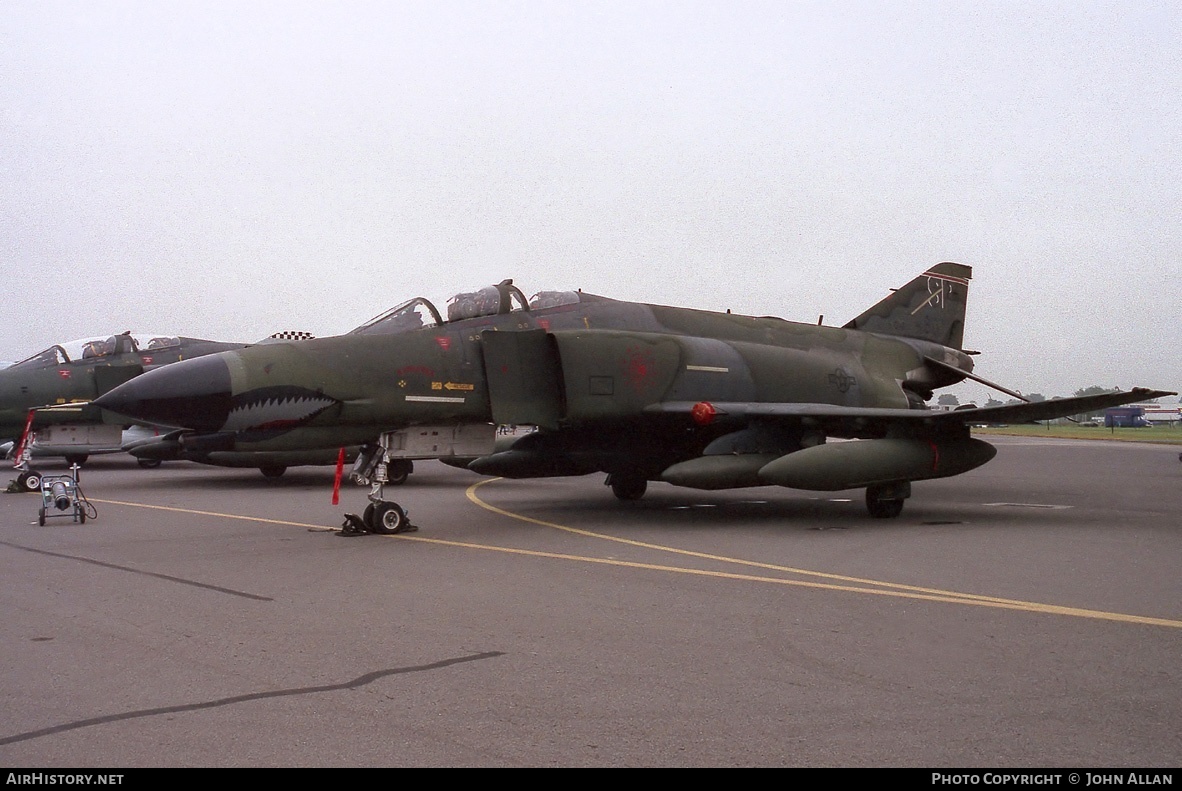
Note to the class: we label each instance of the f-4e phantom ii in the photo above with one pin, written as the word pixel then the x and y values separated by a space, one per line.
pixel 46 399
pixel 47 409
pixel 640 392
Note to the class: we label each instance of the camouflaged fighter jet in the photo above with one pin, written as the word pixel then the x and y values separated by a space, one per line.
pixel 48 396
pixel 640 392
pixel 46 407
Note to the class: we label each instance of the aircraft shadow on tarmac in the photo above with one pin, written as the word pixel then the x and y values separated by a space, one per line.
pixel 578 502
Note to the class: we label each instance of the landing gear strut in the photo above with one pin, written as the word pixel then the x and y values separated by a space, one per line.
pixel 885 500
pixel 28 479
pixel 375 467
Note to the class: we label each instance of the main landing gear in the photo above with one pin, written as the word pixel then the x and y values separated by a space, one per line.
pixel 626 487
pixel 885 500
pixel 375 467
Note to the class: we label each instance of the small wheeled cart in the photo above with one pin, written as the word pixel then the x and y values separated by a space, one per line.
pixel 60 496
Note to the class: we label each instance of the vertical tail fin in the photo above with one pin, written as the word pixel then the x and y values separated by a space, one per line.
pixel 931 307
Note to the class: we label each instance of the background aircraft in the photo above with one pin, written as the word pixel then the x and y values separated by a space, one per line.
pixel 641 392
pixel 67 377
pixel 51 395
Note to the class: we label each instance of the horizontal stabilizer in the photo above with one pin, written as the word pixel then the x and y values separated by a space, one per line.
pixel 1055 408
pixel 932 361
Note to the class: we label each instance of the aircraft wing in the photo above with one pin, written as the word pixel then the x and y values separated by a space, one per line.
pixel 860 421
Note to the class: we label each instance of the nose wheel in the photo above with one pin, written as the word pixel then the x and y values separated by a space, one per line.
pixel 29 481
pixel 388 518
pixel 384 518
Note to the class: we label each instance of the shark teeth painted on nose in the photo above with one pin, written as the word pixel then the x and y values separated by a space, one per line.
pixel 275 409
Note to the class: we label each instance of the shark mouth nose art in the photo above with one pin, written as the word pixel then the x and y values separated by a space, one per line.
pixel 270 411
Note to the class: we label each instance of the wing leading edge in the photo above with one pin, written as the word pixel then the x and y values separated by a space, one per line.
pixel 869 421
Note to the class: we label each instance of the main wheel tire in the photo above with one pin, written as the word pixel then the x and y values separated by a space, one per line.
pixel 388 518
pixel 398 471
pixel 149 464
pixel 79 459
pixel 367 516
pixel 881 508
pixel 273 470
pixel 629 488
pixel 29 481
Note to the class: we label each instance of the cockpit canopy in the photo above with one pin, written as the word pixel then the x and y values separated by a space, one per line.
pixel 553 299
pixel 488 301
pixel 95 348
pixel 413 314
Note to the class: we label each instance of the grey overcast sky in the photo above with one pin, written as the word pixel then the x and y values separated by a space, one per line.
pixel 231 169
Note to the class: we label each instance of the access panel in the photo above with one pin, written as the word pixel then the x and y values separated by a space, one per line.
pixel 524 377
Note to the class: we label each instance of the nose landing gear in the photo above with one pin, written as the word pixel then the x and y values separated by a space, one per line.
pixel 375 467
